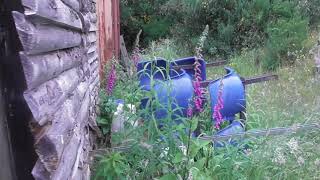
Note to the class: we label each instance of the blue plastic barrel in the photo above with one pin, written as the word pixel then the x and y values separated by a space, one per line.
pixel 157 68
pixel 173 88
pixel 234 128
pixel 190 61
pixel 153 67
pixel 233 95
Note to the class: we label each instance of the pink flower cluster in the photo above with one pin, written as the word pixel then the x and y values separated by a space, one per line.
pixel 197 86
pixel 198 91
pixel 217 108
pixel 190 111
pixel 112 77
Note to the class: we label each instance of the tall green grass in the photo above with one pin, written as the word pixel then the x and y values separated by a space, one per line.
pixel 293 99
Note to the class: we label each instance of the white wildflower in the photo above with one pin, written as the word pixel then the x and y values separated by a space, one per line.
pixel 190 176
pixel 293 145
pixel 300 161
pixel 183 149
pixel 164 152
pixel 279 157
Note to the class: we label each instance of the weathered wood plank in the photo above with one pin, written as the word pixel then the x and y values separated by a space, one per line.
pixel 50 144
pixel 300 128
pixel 94 68
pixel 85 22
pixel 82 170
pixel 39 172
pixel 94 84
pixel 42 38
pixel 211 64
pixel 68 159
pixel 93 18
pixel 92 37
pixel 41 68
pixel 93 27
pixel 94 77
pixel 247 81
pixel 54 10
pixel 93 57
pixel 261 78
pixel 88 6
pixel 125 60
pixel 74 4
pixel 44 100
pixel 92 49
pixel 75 174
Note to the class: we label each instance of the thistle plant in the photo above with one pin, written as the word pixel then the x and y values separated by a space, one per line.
pixel 197 71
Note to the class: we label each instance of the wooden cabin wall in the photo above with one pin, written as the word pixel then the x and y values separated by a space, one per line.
pixel 60 64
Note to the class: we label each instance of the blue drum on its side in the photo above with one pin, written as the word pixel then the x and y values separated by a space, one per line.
pixel 173 89
pixel 234 128
pixel 233 95
pixel 190 61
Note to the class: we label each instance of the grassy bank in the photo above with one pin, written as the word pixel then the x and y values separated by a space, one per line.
pixel 293 99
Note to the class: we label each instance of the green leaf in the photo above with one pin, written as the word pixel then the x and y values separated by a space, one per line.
pixel 194 149
pixel 196 145
pixel 200 163
pixel 194 124
pixel 178 158
pixel 102 121
pixel 105 130
pixel 203 143
pixel 168 177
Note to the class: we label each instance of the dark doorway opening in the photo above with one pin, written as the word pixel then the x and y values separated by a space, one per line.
pixel 14 110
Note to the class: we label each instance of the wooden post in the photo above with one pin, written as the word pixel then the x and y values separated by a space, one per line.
pixel 211 64
pixel 124 60
pixel 317 64
pixel 242 114
pixel 317 59
pixel 247 81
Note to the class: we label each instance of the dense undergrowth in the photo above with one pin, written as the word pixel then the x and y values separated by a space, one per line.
pixel 147 152
pixel 257 37
pixel 279 26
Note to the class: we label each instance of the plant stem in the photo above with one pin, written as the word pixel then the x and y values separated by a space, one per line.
pixel 188 148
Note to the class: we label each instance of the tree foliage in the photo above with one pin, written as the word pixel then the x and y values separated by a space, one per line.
pixel 234 24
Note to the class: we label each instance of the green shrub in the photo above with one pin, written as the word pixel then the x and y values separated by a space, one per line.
pixel 311 9
pixel 107 108
pixel 145 15
pixel 112 166
pixel 234 24
pixel 147 152
pixel 285 36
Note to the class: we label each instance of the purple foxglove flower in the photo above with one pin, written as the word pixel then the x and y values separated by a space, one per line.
pixel 111 80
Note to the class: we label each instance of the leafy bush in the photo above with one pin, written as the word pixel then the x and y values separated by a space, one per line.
pixel 145 15
pixel 147 152
pixel 311 9
pixel 285 35
pixel 107 108
pixel 112 166
pixel 234 24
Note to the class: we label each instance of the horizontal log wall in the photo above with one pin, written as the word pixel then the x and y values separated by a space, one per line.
pixel 61 67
